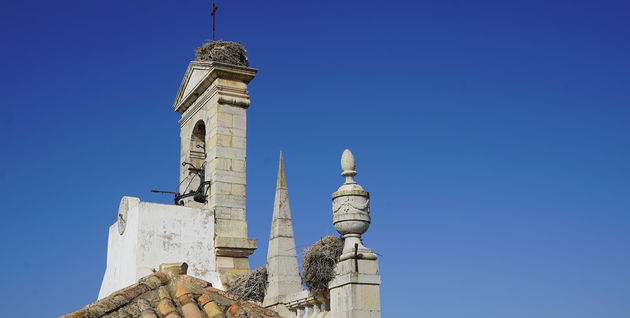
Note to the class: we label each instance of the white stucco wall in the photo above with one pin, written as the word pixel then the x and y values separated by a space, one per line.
pixel 155 234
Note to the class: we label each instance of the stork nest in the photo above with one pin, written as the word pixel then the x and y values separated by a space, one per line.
pixel 250 286
pixel 318 266
pixel 222 51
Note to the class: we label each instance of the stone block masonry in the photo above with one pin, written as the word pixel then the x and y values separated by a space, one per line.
pixel 214 96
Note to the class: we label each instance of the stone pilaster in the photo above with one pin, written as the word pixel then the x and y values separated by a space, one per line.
pixel 282 265
pixel 355 290
pixel 215 95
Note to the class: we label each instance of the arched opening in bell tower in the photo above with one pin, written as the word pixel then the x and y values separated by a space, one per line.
pixel 198 144
pixel 194 187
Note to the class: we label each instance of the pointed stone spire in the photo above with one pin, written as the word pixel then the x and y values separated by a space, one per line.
pixel 282 266
pixel 281 182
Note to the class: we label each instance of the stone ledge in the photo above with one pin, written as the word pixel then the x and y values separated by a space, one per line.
pixel 235 242
pixel 234 252
pixel 235 246
pixel 296 298
pixel 355 278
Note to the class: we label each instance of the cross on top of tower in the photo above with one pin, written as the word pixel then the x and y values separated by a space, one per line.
pixel 213 14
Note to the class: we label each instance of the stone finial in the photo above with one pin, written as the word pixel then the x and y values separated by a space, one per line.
pixel 351 211
pixel 348 165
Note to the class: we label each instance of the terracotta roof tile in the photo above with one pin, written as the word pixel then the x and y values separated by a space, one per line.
pixel 124 314
pixel 171 296
pixel 146 311
pixel 166 306
pixel 181 290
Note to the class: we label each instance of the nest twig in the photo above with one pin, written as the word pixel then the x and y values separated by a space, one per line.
pixel 222 51
pixel 318 266
pixel 250 286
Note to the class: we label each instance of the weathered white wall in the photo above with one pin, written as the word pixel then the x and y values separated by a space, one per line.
pixel 160 233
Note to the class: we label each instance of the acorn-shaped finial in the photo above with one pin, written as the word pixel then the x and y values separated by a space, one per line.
pixel 348 165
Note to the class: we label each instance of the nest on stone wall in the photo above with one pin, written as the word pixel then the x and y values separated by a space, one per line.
pixel 318 266
pixel 250 286
pixel 222 51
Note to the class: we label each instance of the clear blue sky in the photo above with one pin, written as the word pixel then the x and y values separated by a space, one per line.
pixel 493 137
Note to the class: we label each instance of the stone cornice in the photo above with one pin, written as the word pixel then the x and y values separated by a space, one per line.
pixel 214 70
pixel 227 95
pixel 234 246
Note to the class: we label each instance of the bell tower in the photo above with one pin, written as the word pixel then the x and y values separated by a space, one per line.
pixel 213 101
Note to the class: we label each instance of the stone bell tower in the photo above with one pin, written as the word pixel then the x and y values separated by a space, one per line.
pixel 206 228
pixel 213 101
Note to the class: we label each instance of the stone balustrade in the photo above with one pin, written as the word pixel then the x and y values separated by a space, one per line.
pixel 304 305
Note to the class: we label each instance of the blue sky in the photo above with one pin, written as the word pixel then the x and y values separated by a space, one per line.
pixel 493 137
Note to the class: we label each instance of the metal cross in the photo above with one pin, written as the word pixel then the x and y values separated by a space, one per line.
pixel 213 14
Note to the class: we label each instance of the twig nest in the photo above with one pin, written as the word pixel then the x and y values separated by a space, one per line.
pixel 318 266
pixel 222 51
pixel 250 286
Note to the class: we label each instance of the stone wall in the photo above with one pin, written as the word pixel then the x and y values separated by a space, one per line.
pixel 158 233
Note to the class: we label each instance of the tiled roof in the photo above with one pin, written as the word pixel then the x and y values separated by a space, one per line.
pixel 170 295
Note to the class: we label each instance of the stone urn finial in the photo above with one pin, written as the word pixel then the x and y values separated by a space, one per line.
pixel 351 211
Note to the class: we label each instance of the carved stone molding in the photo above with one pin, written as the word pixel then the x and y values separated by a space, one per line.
pixel 213 70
